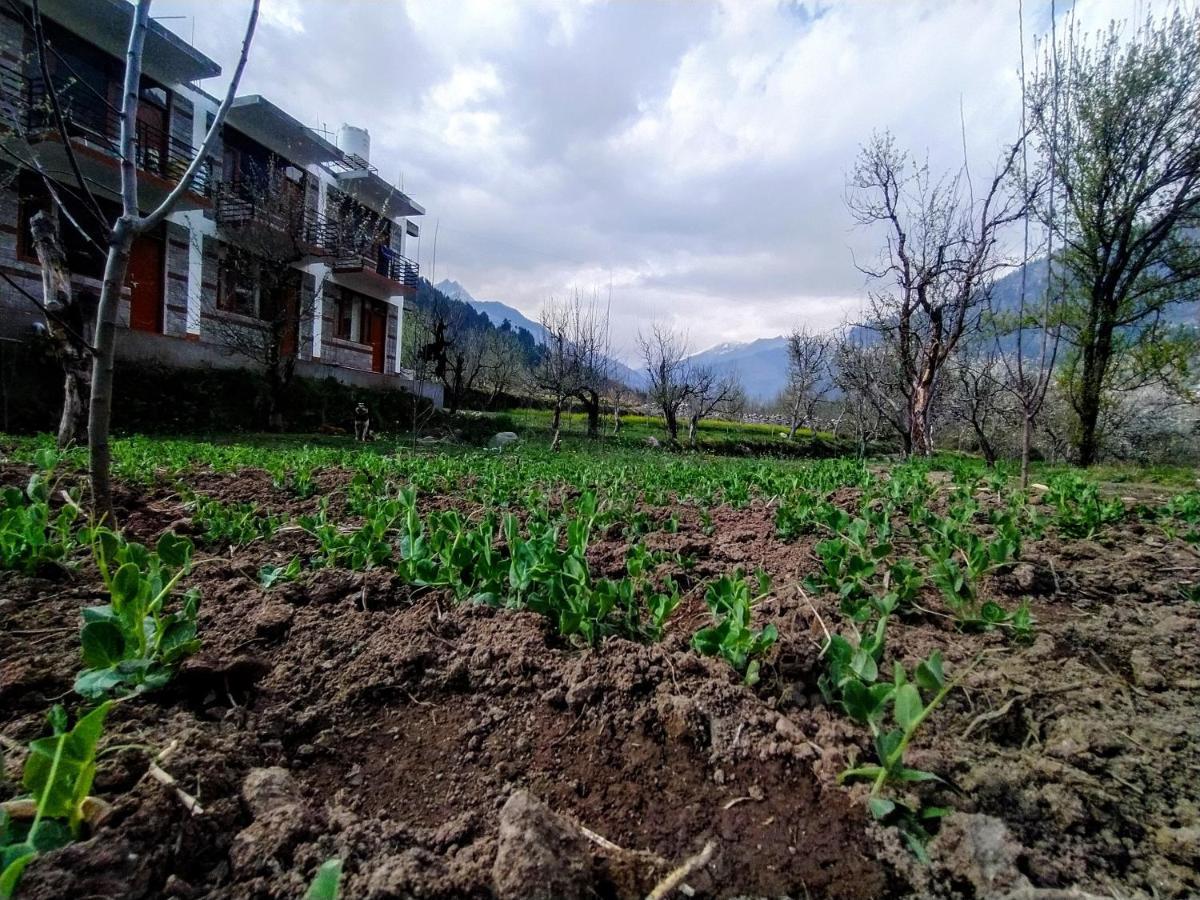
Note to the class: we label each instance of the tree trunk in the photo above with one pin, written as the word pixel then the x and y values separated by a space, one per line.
pixel 591 403
pixel 1026 448
pixel 69 322
pixel 918 422
pixel 555 425
pixel 1097 342
pixel 672 422
pixel 77 384
pixel 616 420
pixel 100 412
pixel 693 421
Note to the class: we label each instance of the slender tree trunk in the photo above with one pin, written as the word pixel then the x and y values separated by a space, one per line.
pixel 693 421
pixel 555 425
pixel 1026 448
pixel 616 420
pixel 100 411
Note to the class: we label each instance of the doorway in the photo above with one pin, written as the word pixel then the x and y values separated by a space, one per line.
pixel 145 280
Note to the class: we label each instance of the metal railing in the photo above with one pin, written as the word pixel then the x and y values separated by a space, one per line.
pixel 354 251
pixel 240 202
pixel 88 118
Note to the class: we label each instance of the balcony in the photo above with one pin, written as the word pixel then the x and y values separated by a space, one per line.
pixel 94 131
pixel 362 264
pixel 269 220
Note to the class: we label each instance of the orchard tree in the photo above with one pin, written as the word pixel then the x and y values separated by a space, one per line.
pixel 940 254
pixel 664 354
pixel 808 379
pixel 1116 123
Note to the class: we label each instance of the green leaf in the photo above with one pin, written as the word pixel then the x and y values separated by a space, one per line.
pixel 59 770
pixel 325 885
pixel 126 585
pixel 12 872
pixel 880 807
pixel 96 683
pixel 907 706
pixel 174 551
pixel 929 673
pixel 103 644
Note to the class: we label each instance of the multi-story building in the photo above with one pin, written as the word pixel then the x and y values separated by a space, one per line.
pixel 282 229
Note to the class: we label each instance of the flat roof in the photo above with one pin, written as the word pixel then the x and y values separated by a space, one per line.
pixel 370 189
pixel 106 23
pixel 260 119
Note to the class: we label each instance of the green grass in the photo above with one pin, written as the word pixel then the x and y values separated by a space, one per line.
pixel 714 435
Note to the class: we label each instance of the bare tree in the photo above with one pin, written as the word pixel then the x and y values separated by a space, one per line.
pixel 978 390
pixel 575 360
pixel 664 353
pixel 939 257
pixel 808 379
pixel 1029 367
pixel 709 393
pixel 875 386
pixel 503 363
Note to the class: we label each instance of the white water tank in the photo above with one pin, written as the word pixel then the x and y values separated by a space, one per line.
pixel 355 141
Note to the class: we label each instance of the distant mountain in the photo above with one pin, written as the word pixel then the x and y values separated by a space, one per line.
pixel 498 312
pixel 761 365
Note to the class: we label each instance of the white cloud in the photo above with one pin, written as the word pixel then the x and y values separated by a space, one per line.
pixel 692 152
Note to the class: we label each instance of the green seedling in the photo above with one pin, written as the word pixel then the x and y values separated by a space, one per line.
pixel 326 884
pixel 31 533
pixel 731 637
pixel 909 710
pixel 269 576
pixel 235 525
pixel 1080 510
pixel 133 643
pixel 58 776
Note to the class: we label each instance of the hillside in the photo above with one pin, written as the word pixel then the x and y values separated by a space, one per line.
pixel 498 312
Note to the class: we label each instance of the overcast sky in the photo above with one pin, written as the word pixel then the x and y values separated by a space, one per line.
pixel 691 154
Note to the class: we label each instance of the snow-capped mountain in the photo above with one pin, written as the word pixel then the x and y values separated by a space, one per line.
pixel 761 365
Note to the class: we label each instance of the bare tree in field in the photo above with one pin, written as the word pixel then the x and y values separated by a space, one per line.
pixel 939 257
pixel 709 393
pixel 503 364
pixel 664 353
pixel 875 386
pixel 978 391
pixel 112 236
pixel 1120 132
pixel 575 361
pixel 1034 329
pixel 808 378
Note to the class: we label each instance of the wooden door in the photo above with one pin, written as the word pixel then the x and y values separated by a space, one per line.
pixel 145 280
pixel 376 320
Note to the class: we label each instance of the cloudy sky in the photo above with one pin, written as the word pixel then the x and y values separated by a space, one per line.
pixel 692 155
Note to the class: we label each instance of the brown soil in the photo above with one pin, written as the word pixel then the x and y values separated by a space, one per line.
pixel 447 751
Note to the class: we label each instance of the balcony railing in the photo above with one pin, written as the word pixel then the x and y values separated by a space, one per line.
pixel 88 118
pixel 380 260
pixel 243 202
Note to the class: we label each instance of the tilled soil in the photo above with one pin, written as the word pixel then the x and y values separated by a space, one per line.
pixel 449 751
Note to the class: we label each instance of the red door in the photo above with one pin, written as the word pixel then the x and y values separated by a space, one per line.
pixel 145 280
pixel 377 322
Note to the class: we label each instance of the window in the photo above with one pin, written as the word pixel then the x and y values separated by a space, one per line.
pixel 346 317
pixel 237 283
